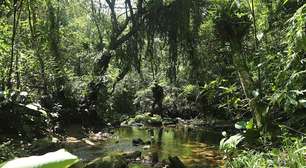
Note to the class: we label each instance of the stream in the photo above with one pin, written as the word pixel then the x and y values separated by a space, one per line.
pixel 194 146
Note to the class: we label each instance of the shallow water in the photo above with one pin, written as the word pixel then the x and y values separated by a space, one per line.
pixel 192 145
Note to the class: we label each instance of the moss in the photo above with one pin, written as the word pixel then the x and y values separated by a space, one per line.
pixel 114 160
pixel 145 118
pixel 137 165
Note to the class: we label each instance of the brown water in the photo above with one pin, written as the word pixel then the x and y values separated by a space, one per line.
pixel 193 146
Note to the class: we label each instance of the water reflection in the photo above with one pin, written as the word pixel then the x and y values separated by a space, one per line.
pixel 191 145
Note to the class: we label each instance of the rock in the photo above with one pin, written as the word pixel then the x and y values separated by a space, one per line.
pixel 146 147
pixel 146 159
pixel 58 129
pixel 180 121
pixel 143 119
pixel 95 137
pixel 108 162
pixel 158 165
pixel 208 153
pixel 124 124
pixel 169 121
pixel 88 142
pixel 132 155
pixel 137 124
pixel 155 157
pixel 175 162
pixel 151 132
pixel 72 140
pixel 45 145
pixel 137 142
pixel 162 164
pixel 106 135
pixel 148 143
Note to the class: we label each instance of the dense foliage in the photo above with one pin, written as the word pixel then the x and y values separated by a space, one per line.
pixel 94 62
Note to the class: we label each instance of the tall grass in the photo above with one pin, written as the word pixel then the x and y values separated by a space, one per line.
pixel 292 154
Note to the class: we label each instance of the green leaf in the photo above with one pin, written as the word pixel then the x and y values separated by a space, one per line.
pixel 37 108
pixel 292 101
pixel 301 150
pixel 303 103
pixel 231 142
pixel 255 93
pixel 241 125
pixel 260 36
pixel 58 159
pixel 250 124
pixel 2 164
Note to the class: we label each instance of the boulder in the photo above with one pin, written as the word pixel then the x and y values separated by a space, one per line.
pixel 143 119
pixel 44 145
pixel 155 157
pixel 148 143
pixel 131 155
pixel 137 142
pixel 114 160
pixel 175 162
pixel 146 147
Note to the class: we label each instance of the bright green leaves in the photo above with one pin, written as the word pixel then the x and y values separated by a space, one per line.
pixel 296 30
pixel 289 100
pixel 230 144
pixel 241 125
pixel 58 159
pixel 190 90
pixel 229 90
pixel 301 150
pixel 245 124
pixel 302 103
pixel 5 35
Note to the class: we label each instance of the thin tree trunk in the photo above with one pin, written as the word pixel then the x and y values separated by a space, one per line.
pixel 32 24
pixel 255 49
pixel 97 25
pixel 9 80
pixel 150 52
pixel 17 56
pixel 193 41
pixel 173 57
pixel 54 41
pixel 17 72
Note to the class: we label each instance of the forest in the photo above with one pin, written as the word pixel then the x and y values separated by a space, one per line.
pixel 152 83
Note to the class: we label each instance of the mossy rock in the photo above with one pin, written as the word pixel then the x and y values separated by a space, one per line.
pixel 112 161
pixel 138 165
pixel 146 118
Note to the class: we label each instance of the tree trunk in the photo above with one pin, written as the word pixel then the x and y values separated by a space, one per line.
pixel 9 80
pixel 17 55
pixel 173 56
pixel 101 45
pixel 33 25
pixel 54 41
pixel 193 43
